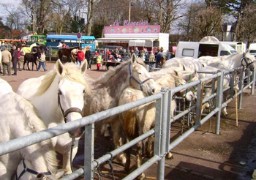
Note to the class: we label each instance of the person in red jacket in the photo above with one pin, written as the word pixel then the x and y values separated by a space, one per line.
pixel 80 55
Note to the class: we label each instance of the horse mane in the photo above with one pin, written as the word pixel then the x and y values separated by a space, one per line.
pixel 113 71
pixel 71 72
pixel 35 124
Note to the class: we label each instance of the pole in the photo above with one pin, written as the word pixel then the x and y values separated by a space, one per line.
pixel 129 18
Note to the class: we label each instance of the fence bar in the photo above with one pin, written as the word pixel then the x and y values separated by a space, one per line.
pixel 75 174
pixel 143 167
pixel 192 129
pixel 122 148
pixel 219 100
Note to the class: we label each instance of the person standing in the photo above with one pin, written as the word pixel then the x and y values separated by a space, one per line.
pixel 42 59
pixel 88 57
pixel 80 56
pixel 19 58
pixel 99 61
pixel 1 67
pixel 6 61
pixel 14 60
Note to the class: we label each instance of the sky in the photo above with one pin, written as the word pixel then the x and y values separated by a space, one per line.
pixel 13 3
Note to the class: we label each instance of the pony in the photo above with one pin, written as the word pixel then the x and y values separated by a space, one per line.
pixel 139 120
pixel 58 96
pixel 230 61
pixel 107 89
pixel 66 52
pixel 40 156
pixel 31 57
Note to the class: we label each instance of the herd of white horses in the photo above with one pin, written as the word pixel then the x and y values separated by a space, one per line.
pixel 67 93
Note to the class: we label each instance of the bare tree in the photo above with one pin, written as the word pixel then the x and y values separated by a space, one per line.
pixel 246 30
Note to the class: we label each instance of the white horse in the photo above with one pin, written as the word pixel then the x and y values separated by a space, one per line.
pixel 137 121
pixel 107 90
pixel 231 61
pixel 16 110
pixel 58 96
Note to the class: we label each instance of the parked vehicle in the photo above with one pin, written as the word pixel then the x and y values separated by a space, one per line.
pixel 208 46
pixel 71 40
pixel 252 49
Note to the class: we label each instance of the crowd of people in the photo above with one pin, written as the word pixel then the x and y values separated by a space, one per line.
pixel 157 55
pixel 12 57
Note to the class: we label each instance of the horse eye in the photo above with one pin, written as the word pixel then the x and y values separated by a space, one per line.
pixel 40 176
pixel 83 91
pixel 59 92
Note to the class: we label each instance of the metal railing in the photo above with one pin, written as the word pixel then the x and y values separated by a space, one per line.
pixel 163 119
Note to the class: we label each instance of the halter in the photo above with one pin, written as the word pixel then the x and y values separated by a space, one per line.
pixel 247 64
pixel 31 171
pixel 136 80
pixel 70 110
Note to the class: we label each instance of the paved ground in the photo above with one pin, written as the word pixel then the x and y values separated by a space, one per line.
pixel 203 155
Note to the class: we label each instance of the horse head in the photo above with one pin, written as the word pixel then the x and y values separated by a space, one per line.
pixel 248 61
pixel 140 77
pixel 72 87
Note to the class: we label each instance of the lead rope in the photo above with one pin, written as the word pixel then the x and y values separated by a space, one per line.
pixel 71 154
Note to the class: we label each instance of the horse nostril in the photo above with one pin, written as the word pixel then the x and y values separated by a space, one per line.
pixel 153 91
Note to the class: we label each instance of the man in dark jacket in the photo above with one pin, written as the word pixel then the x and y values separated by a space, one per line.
pixel 88 57
pixel 14 59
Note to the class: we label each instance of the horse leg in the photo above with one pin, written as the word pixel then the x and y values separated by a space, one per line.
pixel 139 158
pixel 28 65
pixel 128 161
pixel 118 139
pixel 63 146
pixel 24 63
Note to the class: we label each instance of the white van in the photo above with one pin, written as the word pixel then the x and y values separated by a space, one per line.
pixel 208 46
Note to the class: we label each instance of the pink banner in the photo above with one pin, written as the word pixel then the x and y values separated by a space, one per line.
pixel 132 29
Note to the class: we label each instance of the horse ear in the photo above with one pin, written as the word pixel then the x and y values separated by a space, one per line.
pixel 133 58
pixel 184 69
pixel 59 67
pixel 84 66
pixel 176 73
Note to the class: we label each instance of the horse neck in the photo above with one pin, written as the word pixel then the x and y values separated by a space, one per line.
pixel 112 87
pixel 47 104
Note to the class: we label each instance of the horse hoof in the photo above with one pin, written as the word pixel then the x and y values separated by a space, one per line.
pixel 169 155
pixel 122 159
pixel 142 176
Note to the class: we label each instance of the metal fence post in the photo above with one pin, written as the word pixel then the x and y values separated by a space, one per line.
pixel 253 80
pixel 219 100
pixel 169 117
pixel 158 131
pixel 199 102
pixel 241 86
pixel 161 164
pixel 88 151
pixel 231 84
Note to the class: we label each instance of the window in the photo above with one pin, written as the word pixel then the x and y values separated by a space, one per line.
pixel 188 52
